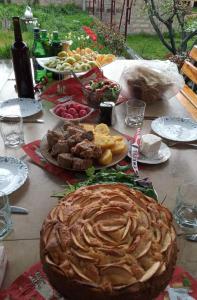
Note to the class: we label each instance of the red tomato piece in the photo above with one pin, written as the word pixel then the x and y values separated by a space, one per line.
pixel 72 111
pixel 82 113
pixel 71 105
pixel 76 116
pixel 59 111
pixel 67 115
pixel 78 107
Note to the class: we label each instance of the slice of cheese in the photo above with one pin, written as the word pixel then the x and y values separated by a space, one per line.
pixel 150 145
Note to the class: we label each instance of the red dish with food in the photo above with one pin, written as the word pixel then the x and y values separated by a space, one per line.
pixel 72 111
pixel 101 90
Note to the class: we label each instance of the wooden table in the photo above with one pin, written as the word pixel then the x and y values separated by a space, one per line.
pixel 22 245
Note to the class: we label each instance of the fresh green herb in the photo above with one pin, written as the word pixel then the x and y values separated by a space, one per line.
pixel 90 171
pixel 186 282
pixel 111 176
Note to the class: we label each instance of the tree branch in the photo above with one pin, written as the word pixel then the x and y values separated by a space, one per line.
pixel 189 36
pixel 157 15
pixel 172 37
pixel 160 35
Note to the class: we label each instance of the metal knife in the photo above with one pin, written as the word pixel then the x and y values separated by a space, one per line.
pixel 135 151
pixel 19 210
pixel 27 120
pixel 33 121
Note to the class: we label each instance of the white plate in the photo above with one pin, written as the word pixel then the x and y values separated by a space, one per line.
pixel 24 106
pixel 175 129
pixel 42 61
pixel 52 111
pixel 163 155
pixel 13 174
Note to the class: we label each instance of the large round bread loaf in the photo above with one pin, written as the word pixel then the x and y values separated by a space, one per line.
pixel 108 242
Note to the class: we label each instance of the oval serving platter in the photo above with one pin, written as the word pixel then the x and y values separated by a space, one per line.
pixel 116 159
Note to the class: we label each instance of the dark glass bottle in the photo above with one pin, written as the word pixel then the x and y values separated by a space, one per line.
pixel 37 52
pixel 45 41
pixel 56 45
pixel 21 63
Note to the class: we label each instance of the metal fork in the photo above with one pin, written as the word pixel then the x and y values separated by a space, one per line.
pixel 191 237
pixel 173 143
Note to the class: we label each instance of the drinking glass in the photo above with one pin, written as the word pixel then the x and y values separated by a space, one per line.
pixel 135 112
pixel 5 216
pixel 185 212
pixel 11 127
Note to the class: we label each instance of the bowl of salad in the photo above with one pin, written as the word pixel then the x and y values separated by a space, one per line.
pixel 101 90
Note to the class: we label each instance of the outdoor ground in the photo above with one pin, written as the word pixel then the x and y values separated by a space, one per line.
pixel 71 19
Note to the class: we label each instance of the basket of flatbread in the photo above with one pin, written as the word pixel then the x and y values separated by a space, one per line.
pixel 151 81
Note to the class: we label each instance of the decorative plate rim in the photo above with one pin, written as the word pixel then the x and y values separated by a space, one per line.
pixel 24 175
pixel 38 105
pixel 179 120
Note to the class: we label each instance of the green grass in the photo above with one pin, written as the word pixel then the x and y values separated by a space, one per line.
pixel 69 18
pixel 147 46
pixel 150 46
pixel 194 10
pixel 62 18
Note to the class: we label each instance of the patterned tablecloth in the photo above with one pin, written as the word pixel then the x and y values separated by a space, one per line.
pixel 33 285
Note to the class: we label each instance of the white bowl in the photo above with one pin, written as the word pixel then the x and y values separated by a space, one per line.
pixel 52 111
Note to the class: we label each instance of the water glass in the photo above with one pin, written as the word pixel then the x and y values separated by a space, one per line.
pixel 11 127
pixel 185 212
pixel 135 112
pixel 5 216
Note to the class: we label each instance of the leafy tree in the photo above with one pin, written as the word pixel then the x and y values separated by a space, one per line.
pixel 170 13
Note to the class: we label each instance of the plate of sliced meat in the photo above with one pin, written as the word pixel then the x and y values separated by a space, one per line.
pixel 78 147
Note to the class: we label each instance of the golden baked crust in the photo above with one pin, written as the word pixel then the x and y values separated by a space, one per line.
pixel 110 239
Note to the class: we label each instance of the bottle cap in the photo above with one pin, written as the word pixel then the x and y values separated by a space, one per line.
pixel 107 104
pixel 36 29
pixel 43 33
pixel 55 33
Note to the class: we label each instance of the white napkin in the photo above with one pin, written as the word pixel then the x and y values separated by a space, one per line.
pixel 178 294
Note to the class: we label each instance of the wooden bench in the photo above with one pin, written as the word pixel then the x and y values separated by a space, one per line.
pixel 188 96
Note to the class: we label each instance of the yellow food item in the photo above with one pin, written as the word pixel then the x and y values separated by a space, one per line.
pixel 77 57
pixel 70 53
pixel 103 59
pixel 104 141
pixel 106 158
pixel 102 129
pixel 118 147
pixel 62 54
pixel 118 138
pixel 70 60
pixel 88 50
pixel 88 127
pixel 93 63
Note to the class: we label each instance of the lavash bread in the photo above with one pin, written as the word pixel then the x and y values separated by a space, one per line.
pixel 107 242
